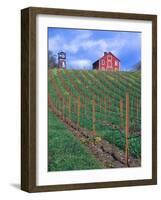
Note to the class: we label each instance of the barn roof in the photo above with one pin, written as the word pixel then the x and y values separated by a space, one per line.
pixel 96 62
pixel 113 55
pixel 107 54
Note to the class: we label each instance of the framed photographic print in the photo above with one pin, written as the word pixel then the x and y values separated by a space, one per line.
pixel 89 99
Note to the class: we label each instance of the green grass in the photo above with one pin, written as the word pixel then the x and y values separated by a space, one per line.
pixel 65 152
pixel 98 84
pixel 113 136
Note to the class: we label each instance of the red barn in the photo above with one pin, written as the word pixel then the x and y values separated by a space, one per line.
pixel 108 62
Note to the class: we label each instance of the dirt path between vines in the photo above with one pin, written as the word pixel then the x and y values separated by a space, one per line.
pixel 108 154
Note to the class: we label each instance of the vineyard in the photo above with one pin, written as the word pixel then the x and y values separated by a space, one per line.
pixel 102 110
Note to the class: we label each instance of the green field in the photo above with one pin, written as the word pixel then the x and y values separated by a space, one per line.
pixel 78 95
pixel 65 151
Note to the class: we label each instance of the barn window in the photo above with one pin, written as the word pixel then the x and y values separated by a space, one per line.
pixel 116 63
pixel 109 57
pixel 103 62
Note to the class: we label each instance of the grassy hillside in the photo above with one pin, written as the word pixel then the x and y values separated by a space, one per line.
pixel 65 151
pixel 92 99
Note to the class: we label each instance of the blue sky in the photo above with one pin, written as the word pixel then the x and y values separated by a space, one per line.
pixel 83 47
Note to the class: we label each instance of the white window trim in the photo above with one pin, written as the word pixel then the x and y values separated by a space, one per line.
pixel 103 62
pixel 116 62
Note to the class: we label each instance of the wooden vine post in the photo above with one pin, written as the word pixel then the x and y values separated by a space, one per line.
pixel 84 113
pixel 63 114
pixel 93 116
pixel 69 107
pixel 78 111
pixel 121 113
pixel 127 129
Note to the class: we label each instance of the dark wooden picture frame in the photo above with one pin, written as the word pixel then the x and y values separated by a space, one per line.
pixel 28 98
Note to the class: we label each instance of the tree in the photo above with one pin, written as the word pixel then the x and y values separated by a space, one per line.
pixel 52 62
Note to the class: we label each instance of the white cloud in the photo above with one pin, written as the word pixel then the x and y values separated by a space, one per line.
pixel 88 44
pixel 83 40
pixel 58 43
pixel 80 64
